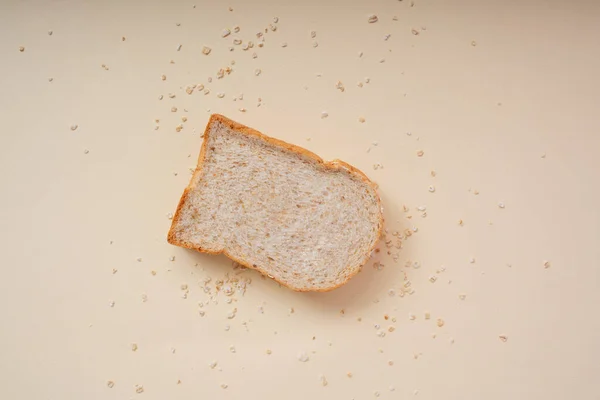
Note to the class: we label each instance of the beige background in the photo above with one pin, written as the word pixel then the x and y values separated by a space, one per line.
pixel 503 99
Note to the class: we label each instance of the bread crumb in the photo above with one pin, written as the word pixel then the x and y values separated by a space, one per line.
pixel 501 205
pixel 206 50
pixel 224 386
pixel 139 389
pixel 440 322
pixel 324 115
pixel 473 43
pixel 173 109
pixel 420 153
pixel 225 33
pixel 134 346
pixel 323 380
pixel 431 188
pixel 110 384
pixel 546 264
pixel 163 77
pixel 414 31
pixel 268 352
pixel 340 86
pixel 503 338
pixel 361 120
pixel 74 127
pixel 303 357
pixel 372 19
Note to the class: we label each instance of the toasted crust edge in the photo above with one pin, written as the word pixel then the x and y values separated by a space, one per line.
pixel 334 165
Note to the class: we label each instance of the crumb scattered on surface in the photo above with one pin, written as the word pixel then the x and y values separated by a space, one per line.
pixel 303 357
pixel 323 380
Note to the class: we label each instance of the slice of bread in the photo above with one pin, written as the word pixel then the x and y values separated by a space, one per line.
pixel 277 208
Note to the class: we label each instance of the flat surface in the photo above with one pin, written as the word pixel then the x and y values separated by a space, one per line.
pixel 502 99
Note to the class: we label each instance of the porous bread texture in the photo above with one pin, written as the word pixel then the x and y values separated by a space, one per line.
pixel 277 208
